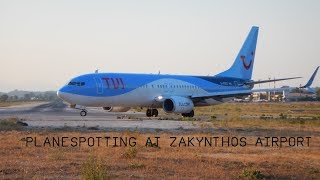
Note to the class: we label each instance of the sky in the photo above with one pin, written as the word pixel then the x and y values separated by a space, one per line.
pixel 43 43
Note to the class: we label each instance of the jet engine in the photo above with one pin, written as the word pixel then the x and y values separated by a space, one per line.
pixel 116 109
pixel 178 104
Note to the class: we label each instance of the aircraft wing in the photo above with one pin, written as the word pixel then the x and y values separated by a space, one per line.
pixel 225 94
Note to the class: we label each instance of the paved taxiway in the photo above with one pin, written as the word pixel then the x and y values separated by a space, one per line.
pixel 59 115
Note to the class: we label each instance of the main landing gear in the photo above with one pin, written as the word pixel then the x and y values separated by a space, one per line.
pixel 190 114
pixel 83 112
pixel 152 112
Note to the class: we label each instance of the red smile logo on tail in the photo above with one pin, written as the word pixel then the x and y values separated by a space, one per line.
pixel 247 67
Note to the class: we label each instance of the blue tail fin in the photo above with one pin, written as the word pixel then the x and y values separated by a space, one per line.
pixel 311 79
pixel 243 64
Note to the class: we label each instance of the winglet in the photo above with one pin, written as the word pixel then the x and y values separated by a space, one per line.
pixel 311 79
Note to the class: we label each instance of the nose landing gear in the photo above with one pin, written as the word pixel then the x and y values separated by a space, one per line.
pixel 83 111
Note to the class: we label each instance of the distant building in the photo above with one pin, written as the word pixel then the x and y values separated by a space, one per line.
pixel 297 94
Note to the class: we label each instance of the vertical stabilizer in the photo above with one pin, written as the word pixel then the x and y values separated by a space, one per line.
pixel 243 64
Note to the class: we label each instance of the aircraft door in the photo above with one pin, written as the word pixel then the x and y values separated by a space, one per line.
pixel 99 85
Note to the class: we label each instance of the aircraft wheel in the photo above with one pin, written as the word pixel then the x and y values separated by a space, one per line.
pixel 83 113
pixel 155 112
pixel 149 112
pixel 190 114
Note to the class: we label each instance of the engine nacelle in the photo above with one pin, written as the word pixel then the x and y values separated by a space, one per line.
pixel 177 104
pixel 116 109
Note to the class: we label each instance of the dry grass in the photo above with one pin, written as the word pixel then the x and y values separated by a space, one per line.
pixel 249 162
pixel 19 161
pixel 293 116
pixel 302 109
pixel 11 124
pixel 94 168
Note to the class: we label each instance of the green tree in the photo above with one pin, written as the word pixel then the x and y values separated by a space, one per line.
pixel 318 92
pixel 13 98
pixel 27 97
pixel 4 98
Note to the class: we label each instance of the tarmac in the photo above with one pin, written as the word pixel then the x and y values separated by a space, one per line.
pixel 57 115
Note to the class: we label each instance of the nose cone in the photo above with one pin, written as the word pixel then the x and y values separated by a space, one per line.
pixel 61 94
pixel 65 94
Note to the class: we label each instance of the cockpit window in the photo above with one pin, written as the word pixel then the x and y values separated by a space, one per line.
pixel 72 83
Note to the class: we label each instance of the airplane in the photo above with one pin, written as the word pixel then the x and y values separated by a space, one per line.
pixel 173 93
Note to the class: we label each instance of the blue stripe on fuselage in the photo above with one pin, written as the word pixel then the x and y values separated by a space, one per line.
pixel 113 84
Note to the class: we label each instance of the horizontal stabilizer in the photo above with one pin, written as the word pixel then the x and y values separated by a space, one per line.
pixel 271 80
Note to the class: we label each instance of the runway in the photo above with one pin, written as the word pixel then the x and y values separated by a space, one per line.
pixel 57 115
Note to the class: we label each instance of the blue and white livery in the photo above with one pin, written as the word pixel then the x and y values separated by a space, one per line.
pixel 173 93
